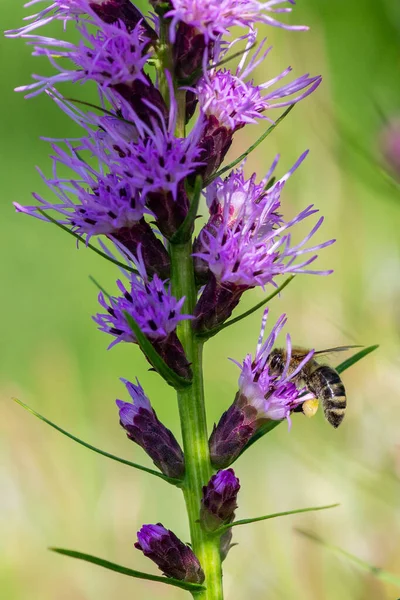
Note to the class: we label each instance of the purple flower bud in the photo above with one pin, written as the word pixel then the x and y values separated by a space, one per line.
pixel 143 427
pixel 264 395
pixel 173 557
pixel 189 52
pixel 218 504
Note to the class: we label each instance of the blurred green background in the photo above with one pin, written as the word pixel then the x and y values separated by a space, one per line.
pixel 53 358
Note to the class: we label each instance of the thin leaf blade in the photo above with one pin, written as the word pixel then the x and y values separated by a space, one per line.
pixel 252 147
pixel 93 448
pixel 87 244
pixel 355 358
pixel 190 587
pixel 274 516
pixel 172 378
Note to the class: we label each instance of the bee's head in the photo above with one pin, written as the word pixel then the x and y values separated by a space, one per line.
pixel 276 361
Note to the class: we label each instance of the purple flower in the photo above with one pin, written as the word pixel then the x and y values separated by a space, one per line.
pixel 111 57
pixel 150 304
pixel 264 395
pixel 143 427
pixel 218 504
pixel 109 11
pixel 213 18
pixel 173 557
pixel 246 243
pixel 95 200
pixel 154 309
pixel 230 101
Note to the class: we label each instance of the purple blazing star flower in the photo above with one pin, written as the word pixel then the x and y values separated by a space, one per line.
pixel 218 504
pixel 109 11
pixel 95 200
pixel 246 243
pixel 263 395
pixel 232 101
pixel 173 557
pixel 153 308
pixel 111 57
pixel 143 427
pixel 213 18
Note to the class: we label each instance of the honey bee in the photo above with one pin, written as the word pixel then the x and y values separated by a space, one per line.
pixel 321 380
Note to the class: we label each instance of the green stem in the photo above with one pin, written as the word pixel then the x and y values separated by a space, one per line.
pixel 194 428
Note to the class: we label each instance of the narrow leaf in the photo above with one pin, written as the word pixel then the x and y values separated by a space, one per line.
pixel 355 358
pixel 270 425
pixel 266 517
pixel 183 234
pixel 372 569
pixel 154 358
pixel 107 454
pixel 191 587
pixel 86 244
pixel 252 147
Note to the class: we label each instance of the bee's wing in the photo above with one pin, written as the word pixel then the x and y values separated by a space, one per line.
pixel 332 350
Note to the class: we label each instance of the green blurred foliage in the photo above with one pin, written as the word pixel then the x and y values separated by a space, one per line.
pixel 53 358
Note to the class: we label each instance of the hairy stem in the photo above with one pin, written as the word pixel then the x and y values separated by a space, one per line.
pixel 194 428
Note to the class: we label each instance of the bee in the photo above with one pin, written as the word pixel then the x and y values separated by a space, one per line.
pixel 321 380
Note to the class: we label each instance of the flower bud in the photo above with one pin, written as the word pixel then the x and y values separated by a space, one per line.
pixel 143 427
pixel 111 11
pixel 173 557
pixel 218 504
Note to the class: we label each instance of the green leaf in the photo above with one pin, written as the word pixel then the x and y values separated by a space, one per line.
pixel 190 587
pixel 184 233
pixel 249 312
pixel 372 569
pixel 270 425
pixel 252 147
pixel 355 358
pixel 154 358
pixel 107 454
pixel 273 516
pixel 86 244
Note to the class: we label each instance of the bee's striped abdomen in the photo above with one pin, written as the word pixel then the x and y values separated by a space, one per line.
pixel 327 386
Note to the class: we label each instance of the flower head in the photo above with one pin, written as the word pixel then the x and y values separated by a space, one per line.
pixel 149 302
pixel 173 557
pixel 213 18
pixel 234 101
pixel 111 56
pixel 218 504
pixel 143 427
pixel 109 11
pixel 274 394
pixel 266 393
pixel 249 245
